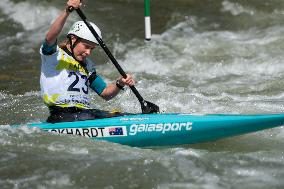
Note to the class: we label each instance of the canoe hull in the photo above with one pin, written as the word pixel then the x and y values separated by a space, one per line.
pixel 143 130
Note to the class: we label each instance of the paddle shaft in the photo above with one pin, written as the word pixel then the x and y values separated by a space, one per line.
pixel 109 54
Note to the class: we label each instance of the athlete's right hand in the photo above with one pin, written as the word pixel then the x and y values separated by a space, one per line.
pixel 74 3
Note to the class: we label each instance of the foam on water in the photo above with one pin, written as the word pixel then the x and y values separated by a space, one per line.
pixel 57 147
pixel 208 67
pixel 236 9
pixel 221 52
pixel 21 108
pixel 34 18
pixel 31 16
pixel 188 61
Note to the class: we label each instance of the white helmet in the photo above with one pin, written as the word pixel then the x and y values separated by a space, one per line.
pixel 81 30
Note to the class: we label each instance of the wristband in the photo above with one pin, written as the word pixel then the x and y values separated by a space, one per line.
pixel 118 85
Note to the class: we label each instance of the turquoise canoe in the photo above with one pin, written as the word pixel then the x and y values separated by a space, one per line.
pixel 144 130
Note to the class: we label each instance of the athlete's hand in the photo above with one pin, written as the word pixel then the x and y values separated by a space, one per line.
pixel 127 81
pixel 74 3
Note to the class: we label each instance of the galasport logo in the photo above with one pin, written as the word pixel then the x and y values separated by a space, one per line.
pixel 160 127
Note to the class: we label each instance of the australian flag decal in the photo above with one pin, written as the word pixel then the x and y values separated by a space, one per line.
pixel 115 131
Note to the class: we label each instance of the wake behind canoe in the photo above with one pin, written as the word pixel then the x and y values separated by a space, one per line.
pixel 144 130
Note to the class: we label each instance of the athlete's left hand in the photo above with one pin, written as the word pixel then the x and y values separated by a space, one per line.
pixel 127 81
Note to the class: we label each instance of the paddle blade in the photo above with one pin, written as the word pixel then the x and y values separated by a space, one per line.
pixel 149 107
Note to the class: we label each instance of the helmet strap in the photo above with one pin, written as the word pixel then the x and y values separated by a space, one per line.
pixel 72 47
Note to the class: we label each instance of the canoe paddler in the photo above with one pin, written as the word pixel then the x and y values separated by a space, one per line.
pixel 67 73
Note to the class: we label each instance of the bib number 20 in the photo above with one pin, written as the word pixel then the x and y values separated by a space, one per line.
pixel 77 78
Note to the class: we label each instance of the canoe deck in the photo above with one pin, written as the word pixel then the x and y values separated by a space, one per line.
pixel 143 130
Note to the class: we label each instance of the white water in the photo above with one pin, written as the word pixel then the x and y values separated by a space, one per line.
pixel 225 57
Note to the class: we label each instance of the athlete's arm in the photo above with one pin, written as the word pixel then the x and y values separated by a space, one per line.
pixel 113 89
pixel 58 24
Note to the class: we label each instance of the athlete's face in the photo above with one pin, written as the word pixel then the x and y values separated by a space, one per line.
pixel 83 49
